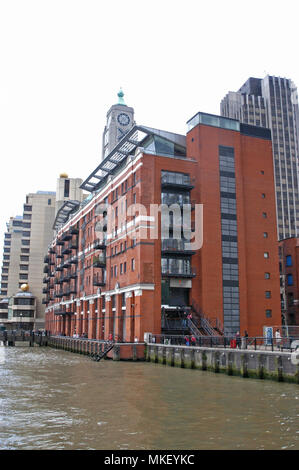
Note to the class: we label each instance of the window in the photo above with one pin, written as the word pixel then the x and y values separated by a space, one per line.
pixel 267 275
pixel 290 280
pixel 133 264
pixel 121 268
pixel 125 267
pixel 268 313
pixel 265 234
pixel 49 202
pixel 24 267
pixel 265 215
pixel 66 188
pixel 289 260
pixel 266 254
pixel 263 195
pixel 268 294
pixel 115 271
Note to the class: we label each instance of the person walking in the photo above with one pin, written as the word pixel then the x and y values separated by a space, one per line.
pixel 278 338
pixel 238 339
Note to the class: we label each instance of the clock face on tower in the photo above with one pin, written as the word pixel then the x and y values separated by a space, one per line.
pixel 123 119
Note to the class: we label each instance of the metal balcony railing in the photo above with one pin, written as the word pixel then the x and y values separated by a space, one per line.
pixel 174 245
pixel 178 271
pixel 174 179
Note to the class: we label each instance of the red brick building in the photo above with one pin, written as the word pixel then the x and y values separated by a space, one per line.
pixel 289 270
pixel 133 276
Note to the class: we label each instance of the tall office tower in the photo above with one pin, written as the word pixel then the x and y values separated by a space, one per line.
pixel 67 189
pixel 120 119
pixel 11 256
pixel 38 217
pixel 272 102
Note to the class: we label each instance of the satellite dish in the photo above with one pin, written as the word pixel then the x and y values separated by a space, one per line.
pixel 295 354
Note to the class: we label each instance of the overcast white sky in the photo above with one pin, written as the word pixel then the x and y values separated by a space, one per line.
pixel 62 63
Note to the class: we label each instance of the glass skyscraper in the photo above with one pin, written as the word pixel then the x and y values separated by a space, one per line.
pixel 273 102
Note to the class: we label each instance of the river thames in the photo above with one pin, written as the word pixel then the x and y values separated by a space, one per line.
pixel 56 400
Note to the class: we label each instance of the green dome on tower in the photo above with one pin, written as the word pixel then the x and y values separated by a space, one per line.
pixel 120 95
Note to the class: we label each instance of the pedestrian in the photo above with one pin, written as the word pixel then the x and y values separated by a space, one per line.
pixel 244 340
pixel 187 341
pixel 193 340
pixel 278 338
pixel 238 339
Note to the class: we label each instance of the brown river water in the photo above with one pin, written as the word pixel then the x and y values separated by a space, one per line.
pixel 52 399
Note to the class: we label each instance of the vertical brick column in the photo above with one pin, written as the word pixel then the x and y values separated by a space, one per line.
pixel 128 318
pixel 99 322
pixel 138 315
pixel 68 324
pixel 85 317
pixel 72 323
pixel 92 320
pixel 78 318
pixel 108 317
pixel 118 318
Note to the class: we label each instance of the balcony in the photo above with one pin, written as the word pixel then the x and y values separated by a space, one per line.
pixel 60 242
pixel 66 251
pixel 74 231
pixel 66 236
pixel 73 275
pixel 58 255
pixel 46 279
pixel 177 271
pixel 59 267
pixel 74 245
pixel 175 246
pixel 46 269
pixel 52 251
pixel 74 261
pixel 176 180
pixel 99 244
pixel 46 259
pixel 45 290
pixel 99 261
pixel 99 281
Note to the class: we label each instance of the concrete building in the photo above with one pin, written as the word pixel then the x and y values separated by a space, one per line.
pixel 26 243
pixel 120 266
pixel 10 280
pixel 273 102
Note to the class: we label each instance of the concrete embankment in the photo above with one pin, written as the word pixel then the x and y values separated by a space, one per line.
pixel 274 365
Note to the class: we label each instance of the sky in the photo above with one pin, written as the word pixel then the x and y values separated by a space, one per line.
pixel 62 63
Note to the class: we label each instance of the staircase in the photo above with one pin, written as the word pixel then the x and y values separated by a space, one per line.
pixel 107 348
pixel 207 326
pixel 193 328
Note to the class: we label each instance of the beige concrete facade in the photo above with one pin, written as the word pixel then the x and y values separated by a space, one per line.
pixel 26 244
